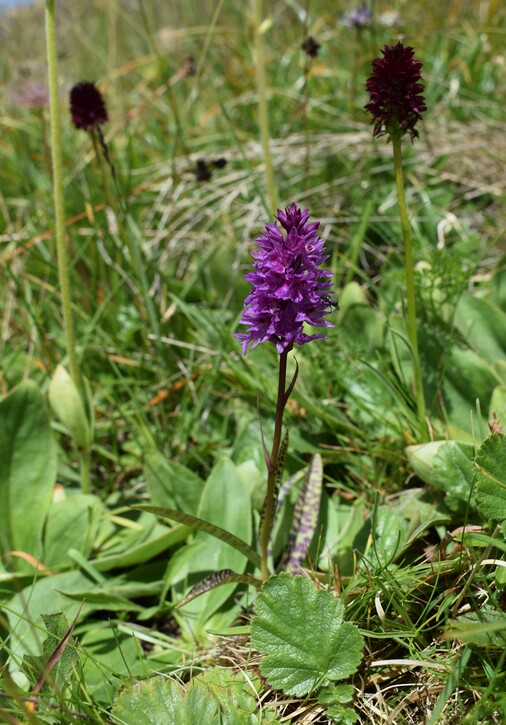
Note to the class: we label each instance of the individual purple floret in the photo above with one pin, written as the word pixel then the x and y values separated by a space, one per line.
pixel 395 91
pixel 288 288
pixel 87 106
pixel 357 19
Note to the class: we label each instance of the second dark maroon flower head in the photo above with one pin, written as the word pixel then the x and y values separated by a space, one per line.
pixel 396 92
pixel 87 106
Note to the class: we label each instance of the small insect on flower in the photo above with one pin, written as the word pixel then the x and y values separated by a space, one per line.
pixel 331 301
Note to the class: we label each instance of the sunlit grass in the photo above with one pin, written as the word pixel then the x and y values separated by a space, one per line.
pixel 185 389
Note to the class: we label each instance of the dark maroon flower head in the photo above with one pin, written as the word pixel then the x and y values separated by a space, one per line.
pixel 288 288
pixel 310 46
pixel 87 106
pixel 396 93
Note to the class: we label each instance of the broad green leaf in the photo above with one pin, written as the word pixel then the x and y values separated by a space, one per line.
pixel 498 404
pixel 499 286
pixel 27 471
pixel 56 626
pixel 468 377
pixel 499 367
pixel 67 404
pixel 446 465
pixel 225 504
pixel 300 632
pixel 105 600
pixel 375 400
pixel 237 696
pixel 171 484
pixel 483 325
pixel 160 700
pixel 217 696
pixel 71 524
pixel 491 478
pixel 347 528
pixel 111 655
pixel 358 321
pixel 486 627
pixel 43 596
pixel 144 551
pixel 390 531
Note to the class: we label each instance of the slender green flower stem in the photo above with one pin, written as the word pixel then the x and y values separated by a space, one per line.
pixel 59 210
pixel 59 213
pixel 265 532
pixel 263 112
pixel 410 281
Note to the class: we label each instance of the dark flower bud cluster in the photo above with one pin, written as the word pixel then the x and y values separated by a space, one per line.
pixel 203 169
pixel 288 288
pixel 190 67
pixel 310 46
pixel 395 90
pixel 87 106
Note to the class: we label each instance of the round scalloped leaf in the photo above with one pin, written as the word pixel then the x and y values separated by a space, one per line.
pixel 300 631
pixel 216 696
pixel 491 478
pixel 160 700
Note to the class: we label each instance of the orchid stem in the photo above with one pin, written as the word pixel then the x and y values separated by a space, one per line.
pixel 265 532
pixel 58 198
pixel 410 282
pixel 59 229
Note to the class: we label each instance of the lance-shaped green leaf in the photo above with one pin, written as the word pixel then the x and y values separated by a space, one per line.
pixel 217 579
pixel 305 516
pixel 205 526
pixel 301 633
pixel 491 478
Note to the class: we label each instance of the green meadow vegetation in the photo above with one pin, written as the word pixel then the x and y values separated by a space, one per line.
pixel 168 553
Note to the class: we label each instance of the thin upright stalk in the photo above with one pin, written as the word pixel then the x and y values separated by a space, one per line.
pixel 263 112
pixel 265 532
pixel 410 281
pixel 58 200
pixel 59 214
pixel 126 235
pixel 305 104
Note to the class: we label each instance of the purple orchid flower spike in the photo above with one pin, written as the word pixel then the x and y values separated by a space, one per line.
pixel 288 288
